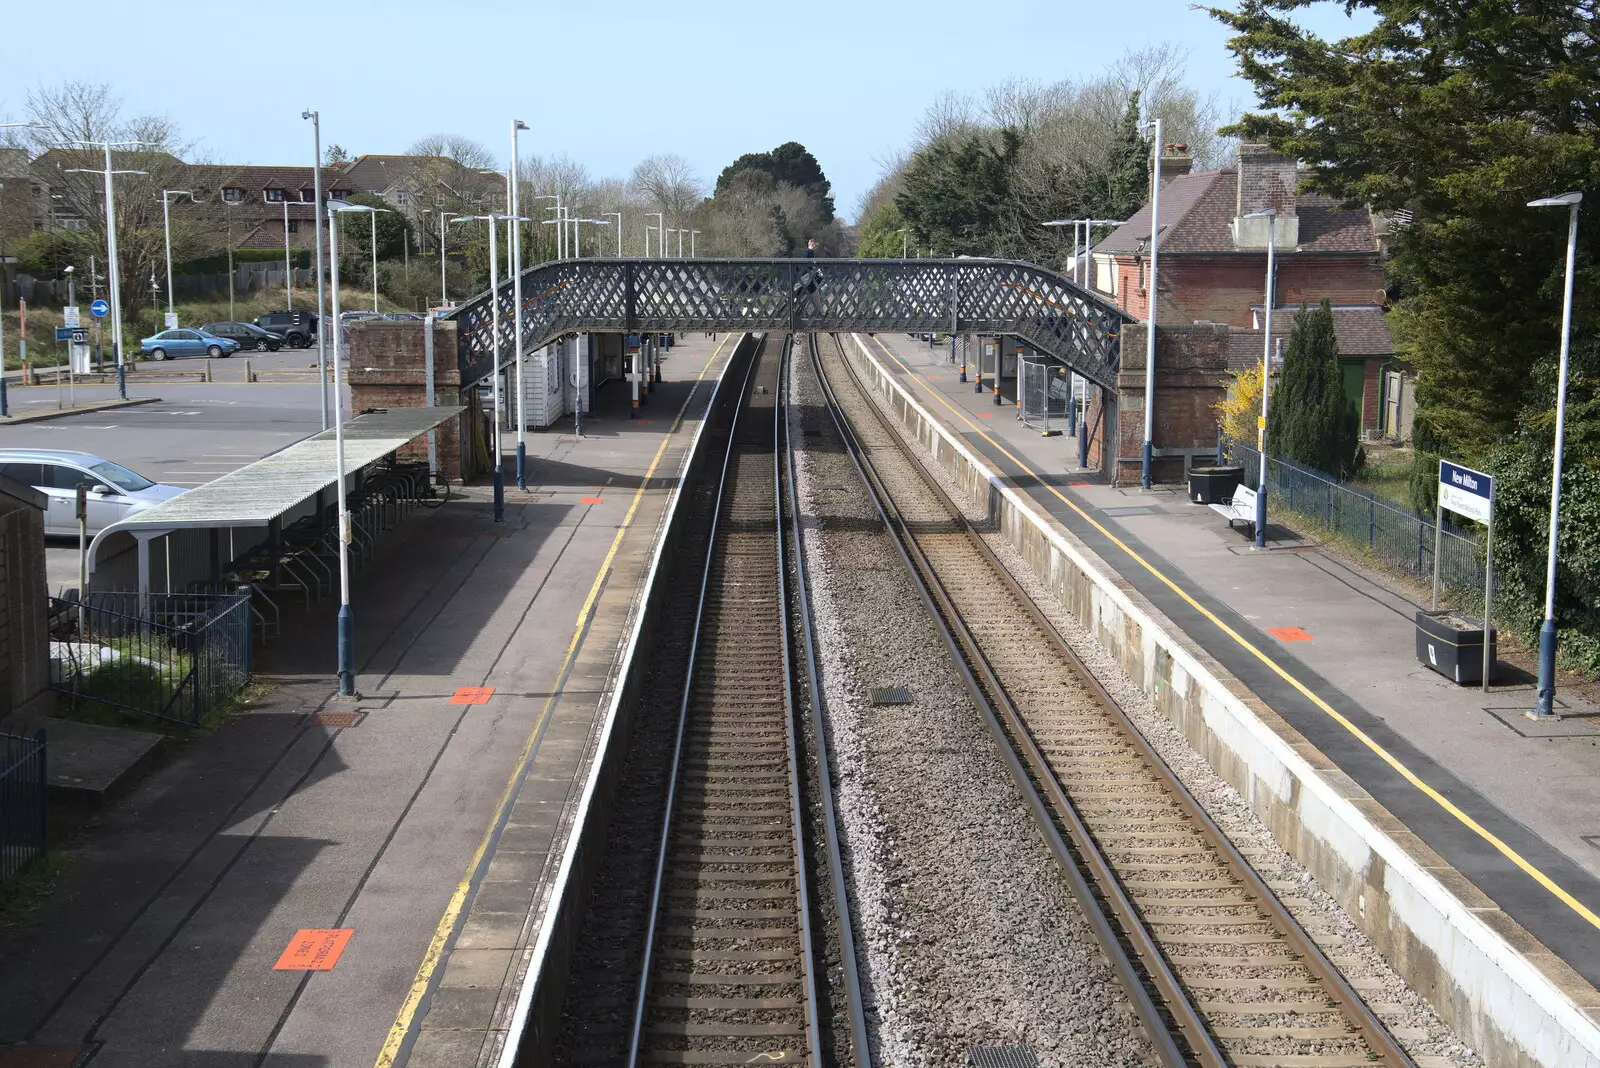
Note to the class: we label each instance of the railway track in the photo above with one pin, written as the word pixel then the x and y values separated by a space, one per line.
pixel 1215 966
pixel 730 969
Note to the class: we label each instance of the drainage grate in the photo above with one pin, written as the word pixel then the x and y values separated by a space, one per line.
pixel 338 719
pixel 891 695
pixel 1001 1057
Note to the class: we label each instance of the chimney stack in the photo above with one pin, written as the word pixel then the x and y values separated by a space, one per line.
pixel 1267 179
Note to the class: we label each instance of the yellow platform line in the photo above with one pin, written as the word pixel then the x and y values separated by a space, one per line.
pixel 1387 757
pixel 452 911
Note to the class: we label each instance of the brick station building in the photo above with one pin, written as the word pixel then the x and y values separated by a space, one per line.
pixel 1213 263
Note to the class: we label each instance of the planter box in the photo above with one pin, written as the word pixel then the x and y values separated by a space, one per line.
pixel 1214 485
pixel 1452 644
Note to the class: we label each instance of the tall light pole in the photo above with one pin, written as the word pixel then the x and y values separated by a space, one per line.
pixel 692 235
pixel 316 221
pixel 1545 705
pixel 618 215
pixel 346 635
pixel 444 292
pixel 288 268
pixel 374 239
pixel 1271 216
pixel 166 225
pixel 1150 329
pixel 661 232
pixel 575 223
pixel 516 309
pixel 493 218
pixel 905 239
pixel 111 249
pixel 557 198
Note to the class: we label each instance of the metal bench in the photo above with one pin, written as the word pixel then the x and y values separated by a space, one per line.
pixel 1242 508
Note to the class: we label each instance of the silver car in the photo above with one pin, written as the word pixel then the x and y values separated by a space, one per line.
pixel 115 493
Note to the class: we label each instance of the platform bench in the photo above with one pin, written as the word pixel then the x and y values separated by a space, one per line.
pixel 1242 508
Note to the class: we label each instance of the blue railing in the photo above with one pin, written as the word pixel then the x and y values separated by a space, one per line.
pixel 24 789
pixel 1394 535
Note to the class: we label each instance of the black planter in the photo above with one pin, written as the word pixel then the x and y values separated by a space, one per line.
pixel 1214 485
pixel 1452 644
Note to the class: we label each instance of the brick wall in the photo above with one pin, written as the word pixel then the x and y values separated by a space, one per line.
pixel 24 639
pixel 387 369
pixel 1191 377
pixel 1223 289
pixel 1371 418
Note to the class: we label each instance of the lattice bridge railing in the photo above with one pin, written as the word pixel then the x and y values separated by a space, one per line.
pixel 1055 315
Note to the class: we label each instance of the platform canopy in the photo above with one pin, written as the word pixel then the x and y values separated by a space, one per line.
pixel 258 493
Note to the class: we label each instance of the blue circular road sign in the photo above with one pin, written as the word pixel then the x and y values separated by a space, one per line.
pixel 99 309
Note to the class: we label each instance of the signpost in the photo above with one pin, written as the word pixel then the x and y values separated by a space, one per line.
pixel 1470 494
pixel 100 309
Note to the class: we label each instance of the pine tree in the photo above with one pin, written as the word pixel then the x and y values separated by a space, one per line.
pixel 1121 189
pixel 1309 421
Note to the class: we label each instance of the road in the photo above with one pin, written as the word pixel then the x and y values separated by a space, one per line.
pixel 197 432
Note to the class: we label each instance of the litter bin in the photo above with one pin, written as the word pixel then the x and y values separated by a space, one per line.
pixel 1451 643
pixel 1214 485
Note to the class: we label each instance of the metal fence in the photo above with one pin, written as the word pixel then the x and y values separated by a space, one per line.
pixel 1394 535
pixel 24 787
pixel 177 657
pixel 1046 391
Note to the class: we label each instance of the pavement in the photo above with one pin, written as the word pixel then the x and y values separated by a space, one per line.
pixel 314 881
pixel 1351 650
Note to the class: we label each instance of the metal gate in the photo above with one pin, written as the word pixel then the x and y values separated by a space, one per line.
pixel 1046 390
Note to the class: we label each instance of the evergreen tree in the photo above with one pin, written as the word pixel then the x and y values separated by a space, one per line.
pixel 956 194
pixel 1120 190
pixel 1310 421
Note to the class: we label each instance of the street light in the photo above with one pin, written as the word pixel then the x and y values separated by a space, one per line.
pixel 560 240
pixel 5 408
pixel 316 221
pixel 1271 216
pixel 166 224
pixel 346 636
pixel 288 267
pixel 661 232
pixel 375 212
pixel 577 245
pixel 618 214
pixel 494 303
pixel 111 248
pixel 1544 708
pixel 692 235
pixel 1150 330
pixel 516 306
pixel 905 239
pixel 444 293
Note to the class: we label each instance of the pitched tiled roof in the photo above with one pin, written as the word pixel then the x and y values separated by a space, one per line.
pixel 1197 216
pixel 1359 331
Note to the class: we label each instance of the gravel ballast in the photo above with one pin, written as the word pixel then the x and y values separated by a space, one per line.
pixel 967 933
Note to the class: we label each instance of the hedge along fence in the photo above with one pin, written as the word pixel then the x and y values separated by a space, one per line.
pixel 1402 540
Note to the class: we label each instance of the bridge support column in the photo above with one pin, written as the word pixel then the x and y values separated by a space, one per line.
pixel 1191 378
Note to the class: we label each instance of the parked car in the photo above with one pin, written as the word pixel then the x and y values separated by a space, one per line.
pixel 115 493
pixel 184 342
pixel 247 335
pixel 297 328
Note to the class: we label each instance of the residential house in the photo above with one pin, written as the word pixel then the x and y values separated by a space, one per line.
pixel 1213 261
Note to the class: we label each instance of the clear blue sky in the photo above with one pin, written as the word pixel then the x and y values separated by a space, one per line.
pixel 606 83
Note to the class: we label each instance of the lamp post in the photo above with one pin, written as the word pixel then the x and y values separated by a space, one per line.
pixel 1544 708
pixel 576 222
pixel 316 221
pixel 111 249
pixel 346 631
pixel 692 235
pixel 516 309
pixel 557 198
pixel 288 268
pixel 905 240
pixel 166 226
pixel 661 232
pixel 493 218
pixel 374 240
pixel 1153 293
pixel 618 216
pixel 444 292
pixel 1271 216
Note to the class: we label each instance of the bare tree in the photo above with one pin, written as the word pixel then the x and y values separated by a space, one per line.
pixel 669 184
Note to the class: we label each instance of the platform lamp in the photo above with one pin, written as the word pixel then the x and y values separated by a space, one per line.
pixel 1544 707
pixel 316 221
pixel 618 216
pixel 516 306
pixel 493 219
pixel 1271 216
pixel 346 632
pixel 1150 330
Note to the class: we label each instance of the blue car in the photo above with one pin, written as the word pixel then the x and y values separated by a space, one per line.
pixel 185 342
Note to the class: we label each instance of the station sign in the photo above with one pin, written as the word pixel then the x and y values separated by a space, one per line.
pixel 76 335
pixel 1466 492
pixel 69 316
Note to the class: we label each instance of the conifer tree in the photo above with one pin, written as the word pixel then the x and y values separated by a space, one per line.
pixel 1310 421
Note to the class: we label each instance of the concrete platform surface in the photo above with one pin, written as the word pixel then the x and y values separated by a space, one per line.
pixel 89 764
pixel 1515 809
pixel 291 889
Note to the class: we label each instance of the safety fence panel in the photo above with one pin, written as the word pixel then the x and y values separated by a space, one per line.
pixel 24 794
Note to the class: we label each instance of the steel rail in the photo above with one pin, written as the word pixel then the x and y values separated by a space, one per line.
pixel 860 1045
pixel 1304 949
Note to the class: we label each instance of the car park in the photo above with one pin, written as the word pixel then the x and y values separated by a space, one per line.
pixel 298 328
pixel 248 335
pixel 186 342
pixel 114 492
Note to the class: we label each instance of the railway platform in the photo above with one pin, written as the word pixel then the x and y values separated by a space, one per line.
pixel 318 883
pixel 1328 646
